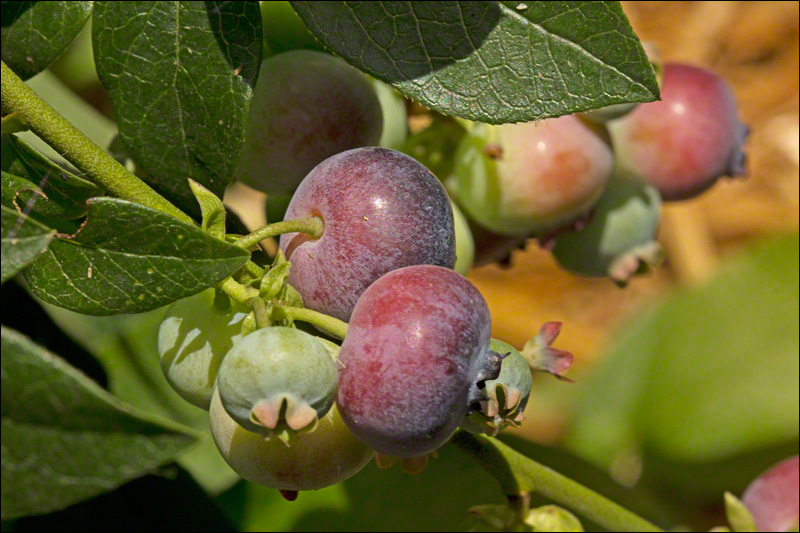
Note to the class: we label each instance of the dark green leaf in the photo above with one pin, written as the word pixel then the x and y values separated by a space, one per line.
pixel 23 239
pixel 126 347
pixel 708 376
pixel 493 62
pixel 63 195
pixel 180 76
pixel 65 439
pixel 33 34
pixel 129 258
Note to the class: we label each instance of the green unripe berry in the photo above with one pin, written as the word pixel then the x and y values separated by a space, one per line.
pixel 465 245
pixel 619 241
pixel 277 380
pixel 193 339
pixel 326 456
pixel 506 396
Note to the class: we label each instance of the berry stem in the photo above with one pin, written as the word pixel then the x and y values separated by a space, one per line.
pixel 312 225
pixel 237 291
pixel 328 323
pixel 519 475
pixel 78 149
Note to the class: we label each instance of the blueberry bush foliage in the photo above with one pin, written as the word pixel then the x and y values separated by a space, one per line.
pixel 106 223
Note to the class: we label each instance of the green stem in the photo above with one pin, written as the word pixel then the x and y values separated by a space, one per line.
pixel 237 291
pixel 76 148
pixel 328 323
pixel 313 226
pixel 259 308
pixel 254 270
pixel 519 475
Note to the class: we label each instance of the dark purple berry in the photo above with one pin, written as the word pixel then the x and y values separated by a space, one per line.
pixel 382 210
pixel 415 353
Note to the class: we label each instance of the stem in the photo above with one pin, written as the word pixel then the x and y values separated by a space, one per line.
pixel 328 323
pixel 518 475
pixel 254 270
pixel 237 291
pixel 259 308
pixel 76 148
pixel 313 226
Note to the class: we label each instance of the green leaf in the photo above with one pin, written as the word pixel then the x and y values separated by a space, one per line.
pixel 126 347
pixel 34 34
pixel 211 208
pixel 494 62
pixel 63 195
pixel 23 240
pixel 128 258
pixel 180 76
pixel 65 439
pixel 710 375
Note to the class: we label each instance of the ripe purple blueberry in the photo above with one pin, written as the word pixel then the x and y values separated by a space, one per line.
pixel 382 210
pixel 528 179
pixel 682 144
pixel 306 106
pixel 417 347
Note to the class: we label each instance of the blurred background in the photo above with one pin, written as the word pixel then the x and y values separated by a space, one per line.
pixel 686 380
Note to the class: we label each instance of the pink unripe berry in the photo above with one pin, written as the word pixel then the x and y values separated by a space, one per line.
pixel 772 497
pixel 682 144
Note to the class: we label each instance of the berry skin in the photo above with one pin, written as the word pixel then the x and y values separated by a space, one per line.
pixel 306 106
pixel 772 497
pixel 465 246
pixel 193 339
pixel 277 380
pixel 685 142
pixel 528 179
pixel 382 210
pixel 416 349
pixel 507 395
pixel 618 241
pixel 326 456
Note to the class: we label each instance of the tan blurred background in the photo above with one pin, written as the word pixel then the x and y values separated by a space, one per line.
pixel 752 45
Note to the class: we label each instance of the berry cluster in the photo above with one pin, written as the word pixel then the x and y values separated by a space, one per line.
pixel 590 187
pixel 292 410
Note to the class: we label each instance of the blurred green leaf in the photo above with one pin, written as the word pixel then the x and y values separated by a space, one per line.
pixel 23 240
pixel 129 258
pixel 63 194
pixel 180 76
pixel 126 346
pixel 707 379
pixel 493 62
pixel 33 34
pixel 64 439
pixel 438 499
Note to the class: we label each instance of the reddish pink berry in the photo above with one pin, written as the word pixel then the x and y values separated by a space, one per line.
pixel 684 143
pixel 772 497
